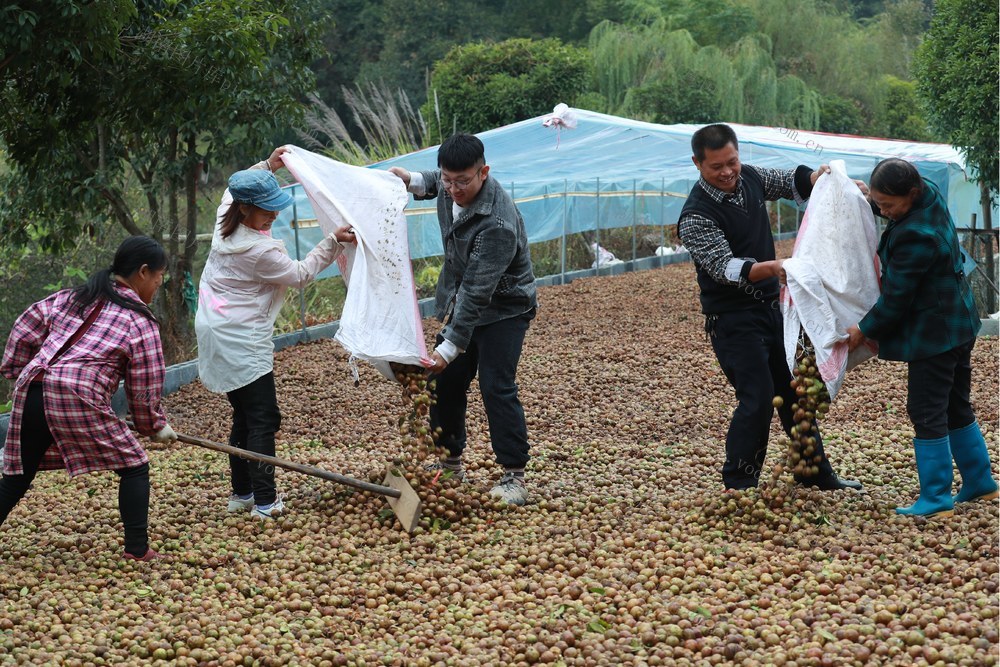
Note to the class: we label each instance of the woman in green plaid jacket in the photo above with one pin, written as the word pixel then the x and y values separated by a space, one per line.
pixel 927 318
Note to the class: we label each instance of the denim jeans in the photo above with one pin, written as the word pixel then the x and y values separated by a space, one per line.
pixel 494 352
pixel 937 392
pixel 133 483
pixel 256 419
pixel 749 345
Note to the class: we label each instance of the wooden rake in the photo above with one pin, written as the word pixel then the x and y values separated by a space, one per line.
pixel 402 499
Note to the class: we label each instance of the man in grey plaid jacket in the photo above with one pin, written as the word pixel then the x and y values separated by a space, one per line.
pixel 486 296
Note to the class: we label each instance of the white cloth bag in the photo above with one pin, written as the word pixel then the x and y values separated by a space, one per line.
pixel 381 320
pixel 832 276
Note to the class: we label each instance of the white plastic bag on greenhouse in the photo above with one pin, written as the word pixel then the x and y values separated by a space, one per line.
pixel 381 321
pixel 832 276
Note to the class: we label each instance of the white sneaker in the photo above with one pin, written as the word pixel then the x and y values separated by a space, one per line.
pixel 267 512
pixel 510 489
pixel 238 504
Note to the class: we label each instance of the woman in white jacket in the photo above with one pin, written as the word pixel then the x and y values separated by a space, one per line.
pixel 244 283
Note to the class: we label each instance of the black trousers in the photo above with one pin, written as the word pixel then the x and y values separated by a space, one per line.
pixel 256 419
pixel 133 484
pixel 493 352
pixel 937 392
pixel 749 345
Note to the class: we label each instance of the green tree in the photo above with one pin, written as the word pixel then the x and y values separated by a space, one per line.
pixel 418 33
pixel 688 99
pixel 624 55
pixel 480 86
pixel 957 72
pixel 566 20
pixel 395 43
pixel 354 36
pixel 840 115
pixel 898 114
pixel 60 35
pixel 49 47
pixel 860 9
pixel 718 22
pixel 835 54
pixel 125 135
pixel 635 65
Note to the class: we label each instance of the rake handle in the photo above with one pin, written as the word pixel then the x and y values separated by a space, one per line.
pixel 312 471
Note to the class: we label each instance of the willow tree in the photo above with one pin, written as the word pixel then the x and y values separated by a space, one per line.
pixel 653 72
pixel 728 88
pixel 759 81
pixel 797 105
pixel 624 55
pixel 770 99
pixel 685 84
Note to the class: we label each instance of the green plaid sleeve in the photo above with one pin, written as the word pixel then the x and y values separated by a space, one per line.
pixel 912 256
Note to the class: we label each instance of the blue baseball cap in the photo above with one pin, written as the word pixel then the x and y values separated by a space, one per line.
pixel 260 188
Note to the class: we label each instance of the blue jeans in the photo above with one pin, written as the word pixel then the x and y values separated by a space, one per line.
pixel 256 419
pixel 494 352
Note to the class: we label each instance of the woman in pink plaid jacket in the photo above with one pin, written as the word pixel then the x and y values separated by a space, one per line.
pixel 67 354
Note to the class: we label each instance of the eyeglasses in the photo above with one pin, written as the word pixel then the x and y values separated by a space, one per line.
pixel 459 184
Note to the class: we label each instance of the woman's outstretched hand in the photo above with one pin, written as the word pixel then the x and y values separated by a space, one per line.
pixel 345 234
pixel 274 162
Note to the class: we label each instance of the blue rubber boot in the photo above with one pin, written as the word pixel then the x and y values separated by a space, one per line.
pixel 935 473
pixel 969 449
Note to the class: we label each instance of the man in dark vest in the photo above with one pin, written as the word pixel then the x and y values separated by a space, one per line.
pixel 725 226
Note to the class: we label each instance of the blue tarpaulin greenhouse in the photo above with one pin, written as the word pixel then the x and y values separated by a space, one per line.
pixel 612 172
